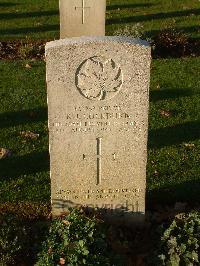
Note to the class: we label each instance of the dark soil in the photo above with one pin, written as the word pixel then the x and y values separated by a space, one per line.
pixel 176 50
pixel 12 50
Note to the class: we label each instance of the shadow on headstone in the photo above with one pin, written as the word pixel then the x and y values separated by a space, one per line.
pixel 119 214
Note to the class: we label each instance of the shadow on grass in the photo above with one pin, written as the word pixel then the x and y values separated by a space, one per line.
pixel 158 95
pixel 14 167
pixel 30 30
pixel 12 119
pixel 185 192
pixel 162 15
pixel 8 16
pixel 124 6
pixel 7 4
pixel 174 135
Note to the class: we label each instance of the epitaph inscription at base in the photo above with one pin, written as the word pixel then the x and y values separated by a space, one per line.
pixel 98 121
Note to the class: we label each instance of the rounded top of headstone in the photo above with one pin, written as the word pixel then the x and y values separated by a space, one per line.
pixel 106 39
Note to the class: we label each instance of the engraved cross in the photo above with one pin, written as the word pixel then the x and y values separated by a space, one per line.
pixel 99 159
pixel 83 7
pixel 99 155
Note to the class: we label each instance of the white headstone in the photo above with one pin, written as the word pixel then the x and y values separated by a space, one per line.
pixel 98 121
pixel 82 18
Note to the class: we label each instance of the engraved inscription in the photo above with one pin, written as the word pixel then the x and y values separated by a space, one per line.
pixel 109 193
pixel 98 78
pixel 87 126
pixel 129 198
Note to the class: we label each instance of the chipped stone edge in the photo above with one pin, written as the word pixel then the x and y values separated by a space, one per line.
pixel 87 40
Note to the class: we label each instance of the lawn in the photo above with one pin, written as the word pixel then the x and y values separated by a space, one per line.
pixel 24 176
pixel 174 131
pixel 39 19
pixel 174 144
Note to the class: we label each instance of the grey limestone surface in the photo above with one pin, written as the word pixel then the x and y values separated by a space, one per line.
pixel 82 18
pixel 98 97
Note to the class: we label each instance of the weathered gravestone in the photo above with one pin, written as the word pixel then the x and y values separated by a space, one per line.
pixel 82 18
pixel 98 120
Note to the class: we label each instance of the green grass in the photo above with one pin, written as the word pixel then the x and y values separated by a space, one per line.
pixel 155 15
pixel 40 19
pixel 24 176
pixel 29 19
pixel 173 167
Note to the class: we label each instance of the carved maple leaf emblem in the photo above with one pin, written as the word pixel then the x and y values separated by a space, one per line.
pixel 99 79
